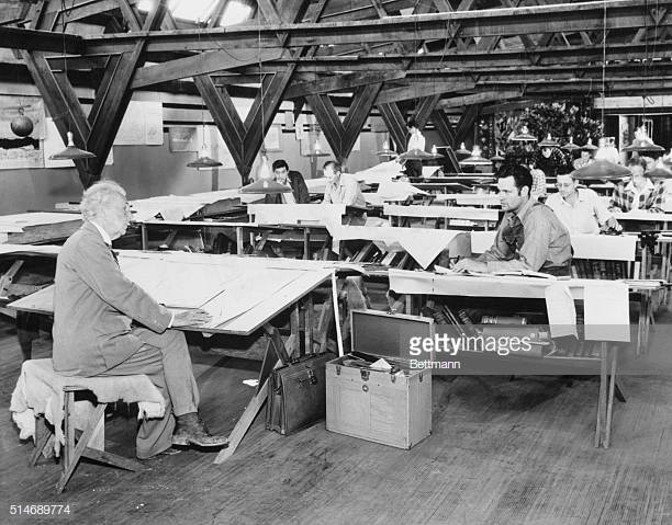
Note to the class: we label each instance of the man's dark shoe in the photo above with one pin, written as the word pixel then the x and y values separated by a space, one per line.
pixel 190 430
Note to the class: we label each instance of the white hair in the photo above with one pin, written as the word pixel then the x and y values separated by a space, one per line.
pixel 99 196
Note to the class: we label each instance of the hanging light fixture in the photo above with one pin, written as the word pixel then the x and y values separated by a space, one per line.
pixel 523 136
pixel 660 170
pixel 548 142
pixel 497 157
pixel 601 170
pixel 417 154
pixel 570 146
pixel 643 143
pixel 606 150
pixel 475 159
pixel 386 151
pixel 462 150
pixel 589 146
pixel 71 152
pixel 265 186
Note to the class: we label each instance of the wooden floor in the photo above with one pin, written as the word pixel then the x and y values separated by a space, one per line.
pixel 502 452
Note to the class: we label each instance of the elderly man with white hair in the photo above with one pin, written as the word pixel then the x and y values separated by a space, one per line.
pixel 106 325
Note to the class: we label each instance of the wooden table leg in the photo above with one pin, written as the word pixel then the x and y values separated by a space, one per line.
pixel 144 238
pixel 254 406
pixel 306 243
pixel 240 243
pixel 612 354
pixel 602 398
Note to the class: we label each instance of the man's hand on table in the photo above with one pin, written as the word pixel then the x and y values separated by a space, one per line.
pixel 470 265
pixel 191 318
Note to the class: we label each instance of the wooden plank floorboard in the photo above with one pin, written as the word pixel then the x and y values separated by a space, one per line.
pixel 502 452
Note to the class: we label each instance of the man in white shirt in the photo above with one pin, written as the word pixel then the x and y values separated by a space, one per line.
pixel 580 209
pixel 340 188
pixel 415 142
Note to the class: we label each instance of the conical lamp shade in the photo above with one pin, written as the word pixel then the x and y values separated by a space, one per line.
pixel 416 154
pixel 462 150
pixel 660 171
pixel 72 152
pixel 204 162
pixel 548 142
pixel 524 136
pixel 642 142
pixel 570 146
pixel 497 157
pixel 265 186
pixel 589 146
pixel 601 170
pixel 386 151
pixel 475 159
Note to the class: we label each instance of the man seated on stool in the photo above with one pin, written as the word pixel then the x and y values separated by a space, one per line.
pixel 529 237
pixel 580 209
pixel 640 193
pixel 341 189
pixel 106 325
pixel 292 178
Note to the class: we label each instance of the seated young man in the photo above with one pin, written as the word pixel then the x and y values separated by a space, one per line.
pixel 294 179
pixel 529 237
pixel 580 209
pixel 640 193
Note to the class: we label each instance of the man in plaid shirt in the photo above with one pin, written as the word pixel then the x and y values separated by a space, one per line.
pixel 640 193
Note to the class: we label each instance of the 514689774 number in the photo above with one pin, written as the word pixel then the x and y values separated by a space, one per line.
pixel 39 509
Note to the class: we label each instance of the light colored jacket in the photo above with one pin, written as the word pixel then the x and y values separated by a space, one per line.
pixel 94 306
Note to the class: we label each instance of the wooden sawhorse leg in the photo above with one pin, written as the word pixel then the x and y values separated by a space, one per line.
pixel 605 404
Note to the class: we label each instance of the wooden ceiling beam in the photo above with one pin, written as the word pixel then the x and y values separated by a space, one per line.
pixel 35 40
pixel 62 113
pixel 424 108
pixel 478 98
pixel 465 125
pixel 395 122
pixel 114 94
pixel 341 83
pixel 576 17
pixel 418 90
pixel 201 64
pixel 443 126
pixel 343 135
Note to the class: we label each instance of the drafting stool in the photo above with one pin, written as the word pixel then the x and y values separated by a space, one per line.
pixel 51 396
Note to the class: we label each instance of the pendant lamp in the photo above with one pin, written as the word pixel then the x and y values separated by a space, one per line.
pixel 72 152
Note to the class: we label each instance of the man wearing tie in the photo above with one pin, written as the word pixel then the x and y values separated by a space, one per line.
pixel 106 325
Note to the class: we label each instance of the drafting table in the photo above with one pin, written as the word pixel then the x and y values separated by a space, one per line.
pixel 661 220
pixel 310 235
pixel 603 325
pixel 421 244
pixel 242 294
pixel 468 199
pixel 38 227
pixel 469 215
pixel 620 249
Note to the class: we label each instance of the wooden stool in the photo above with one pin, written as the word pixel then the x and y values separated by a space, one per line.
pixel 75 449
pixel 39 387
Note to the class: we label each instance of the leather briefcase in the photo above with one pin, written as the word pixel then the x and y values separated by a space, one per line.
pixel 297 394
